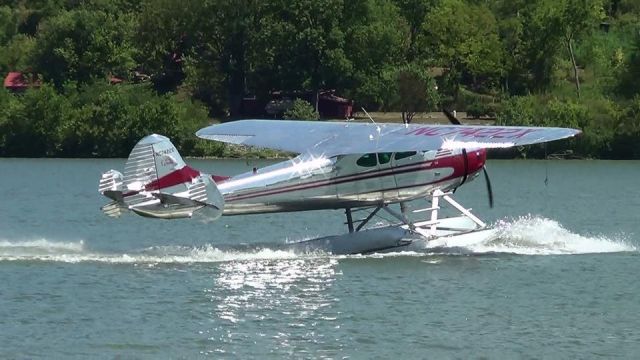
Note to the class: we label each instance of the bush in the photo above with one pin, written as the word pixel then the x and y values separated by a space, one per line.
pixel 301 110
pixel 627 132
pixel 566 113
pixel 119 116
pixel 31 126
pixel 480 108
pixel 95 120
pixel 518 111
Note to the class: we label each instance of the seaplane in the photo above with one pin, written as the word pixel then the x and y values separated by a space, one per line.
pixel 363 169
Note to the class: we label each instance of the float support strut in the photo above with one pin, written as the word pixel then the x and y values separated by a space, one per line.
pixel 347 212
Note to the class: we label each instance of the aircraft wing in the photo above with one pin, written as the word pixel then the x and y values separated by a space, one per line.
pixel 340 138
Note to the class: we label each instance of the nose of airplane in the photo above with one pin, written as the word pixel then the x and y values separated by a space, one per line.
pixel 476 159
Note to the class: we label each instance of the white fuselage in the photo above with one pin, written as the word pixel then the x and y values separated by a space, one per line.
pixel 349 181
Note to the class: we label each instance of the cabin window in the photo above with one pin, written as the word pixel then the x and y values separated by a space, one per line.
pixel 406 154
pixel 367 160
pixel 384 158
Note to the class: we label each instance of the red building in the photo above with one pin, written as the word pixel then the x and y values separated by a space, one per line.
pixel 17 81
pixel 330 106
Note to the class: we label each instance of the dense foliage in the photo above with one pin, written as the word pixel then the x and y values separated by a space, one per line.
pixel 179 62
pixel 301 110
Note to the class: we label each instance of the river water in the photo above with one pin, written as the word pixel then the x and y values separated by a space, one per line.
pixel 560 282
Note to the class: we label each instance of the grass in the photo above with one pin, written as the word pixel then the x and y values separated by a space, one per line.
pixel 421 118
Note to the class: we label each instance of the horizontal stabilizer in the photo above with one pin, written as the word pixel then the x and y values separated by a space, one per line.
pixel 114 195
pixel 157 183
pixel 179 200
pixel 167 213
pixel 110 183
pixel 114 209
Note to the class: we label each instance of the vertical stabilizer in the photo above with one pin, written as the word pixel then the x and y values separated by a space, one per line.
pixel 152 158
pixel 158 183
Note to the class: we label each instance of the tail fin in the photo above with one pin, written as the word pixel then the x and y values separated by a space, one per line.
pixel 158 183
pixel 152 158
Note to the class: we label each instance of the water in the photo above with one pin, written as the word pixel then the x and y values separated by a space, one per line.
pixel 559 282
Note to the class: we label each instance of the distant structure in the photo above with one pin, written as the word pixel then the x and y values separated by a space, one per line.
pixel 114 80
pixel 330 105
pixel 17 81
pixel 333 106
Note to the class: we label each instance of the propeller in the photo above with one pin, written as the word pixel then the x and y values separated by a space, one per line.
pixel 454 121
pixel 488 182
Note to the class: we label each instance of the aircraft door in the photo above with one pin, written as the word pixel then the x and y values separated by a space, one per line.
pixel 357 178
pixel 387 179
pixel 411 169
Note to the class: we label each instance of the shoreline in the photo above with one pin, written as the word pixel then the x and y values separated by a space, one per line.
pixel 293 155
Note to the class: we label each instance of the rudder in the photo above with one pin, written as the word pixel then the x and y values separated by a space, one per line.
pixel 158 183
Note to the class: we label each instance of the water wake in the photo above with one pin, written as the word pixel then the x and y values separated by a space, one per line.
pixel 528 235
pixel 534 235
pixel 40 246
pixel 74 252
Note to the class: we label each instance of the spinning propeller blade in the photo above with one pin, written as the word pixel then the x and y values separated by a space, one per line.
pixel 489 191
pixel 452 119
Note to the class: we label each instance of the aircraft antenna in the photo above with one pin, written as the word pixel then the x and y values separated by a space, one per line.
pixel 373 121
pixel 546 167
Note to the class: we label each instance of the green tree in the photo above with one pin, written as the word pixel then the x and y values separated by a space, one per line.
pixel 464 39
pixel 377 37
pixel 110 119
pixel 518 111
pixel 301 110
pixel 414 13
pixel 231 34
pixel 31 128
pixel 411 89
pixel 206 44
pixel 167 32
pixel 8 24
pixel 566 113
pixel 79 45
pixel 531 35
pixel 511 16
pixel 8 105
pixel 576 19
pixel 304 46
pixel 16 54
pixel 628 84
pixel 627 131
pixel 377 42
pixel 628 6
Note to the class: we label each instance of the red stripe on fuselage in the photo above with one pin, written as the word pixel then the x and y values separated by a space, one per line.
pixel 332 181
pixel 453 161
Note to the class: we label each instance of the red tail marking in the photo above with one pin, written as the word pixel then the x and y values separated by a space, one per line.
pixel 183 175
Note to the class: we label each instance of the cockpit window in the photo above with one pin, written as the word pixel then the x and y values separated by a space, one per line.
pixel 406 154
pixel 367 160
pixel 384 158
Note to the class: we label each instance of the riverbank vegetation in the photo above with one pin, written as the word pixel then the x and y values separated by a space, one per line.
pixel 101 74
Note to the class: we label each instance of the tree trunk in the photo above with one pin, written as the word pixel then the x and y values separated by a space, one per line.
pixel 236 70
pixel 575 66
pixel 410 116
pixel 506 83
pixel 407 116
